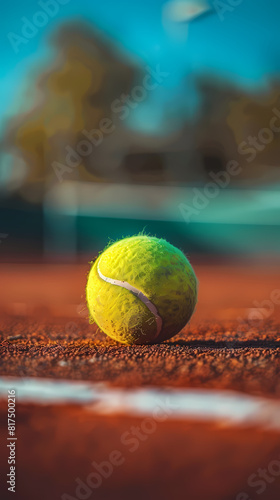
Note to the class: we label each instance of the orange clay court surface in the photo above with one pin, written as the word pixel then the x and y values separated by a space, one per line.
pixel 231 343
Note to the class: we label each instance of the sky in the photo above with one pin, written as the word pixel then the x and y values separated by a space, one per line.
pixel 235 41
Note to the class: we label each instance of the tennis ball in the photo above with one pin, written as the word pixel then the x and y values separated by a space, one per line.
pixel 141 290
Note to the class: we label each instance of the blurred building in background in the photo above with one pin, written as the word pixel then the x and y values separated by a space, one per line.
pixel 74 170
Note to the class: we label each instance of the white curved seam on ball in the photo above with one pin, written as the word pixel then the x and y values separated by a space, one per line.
pixel 124 284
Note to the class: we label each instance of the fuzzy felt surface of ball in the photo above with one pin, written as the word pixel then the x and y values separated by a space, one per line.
pixel 141 290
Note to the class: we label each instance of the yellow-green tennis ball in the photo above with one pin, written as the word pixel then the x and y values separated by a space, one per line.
pixel 141 290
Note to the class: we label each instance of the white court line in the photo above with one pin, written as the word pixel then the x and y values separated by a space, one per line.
pixel 227 407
